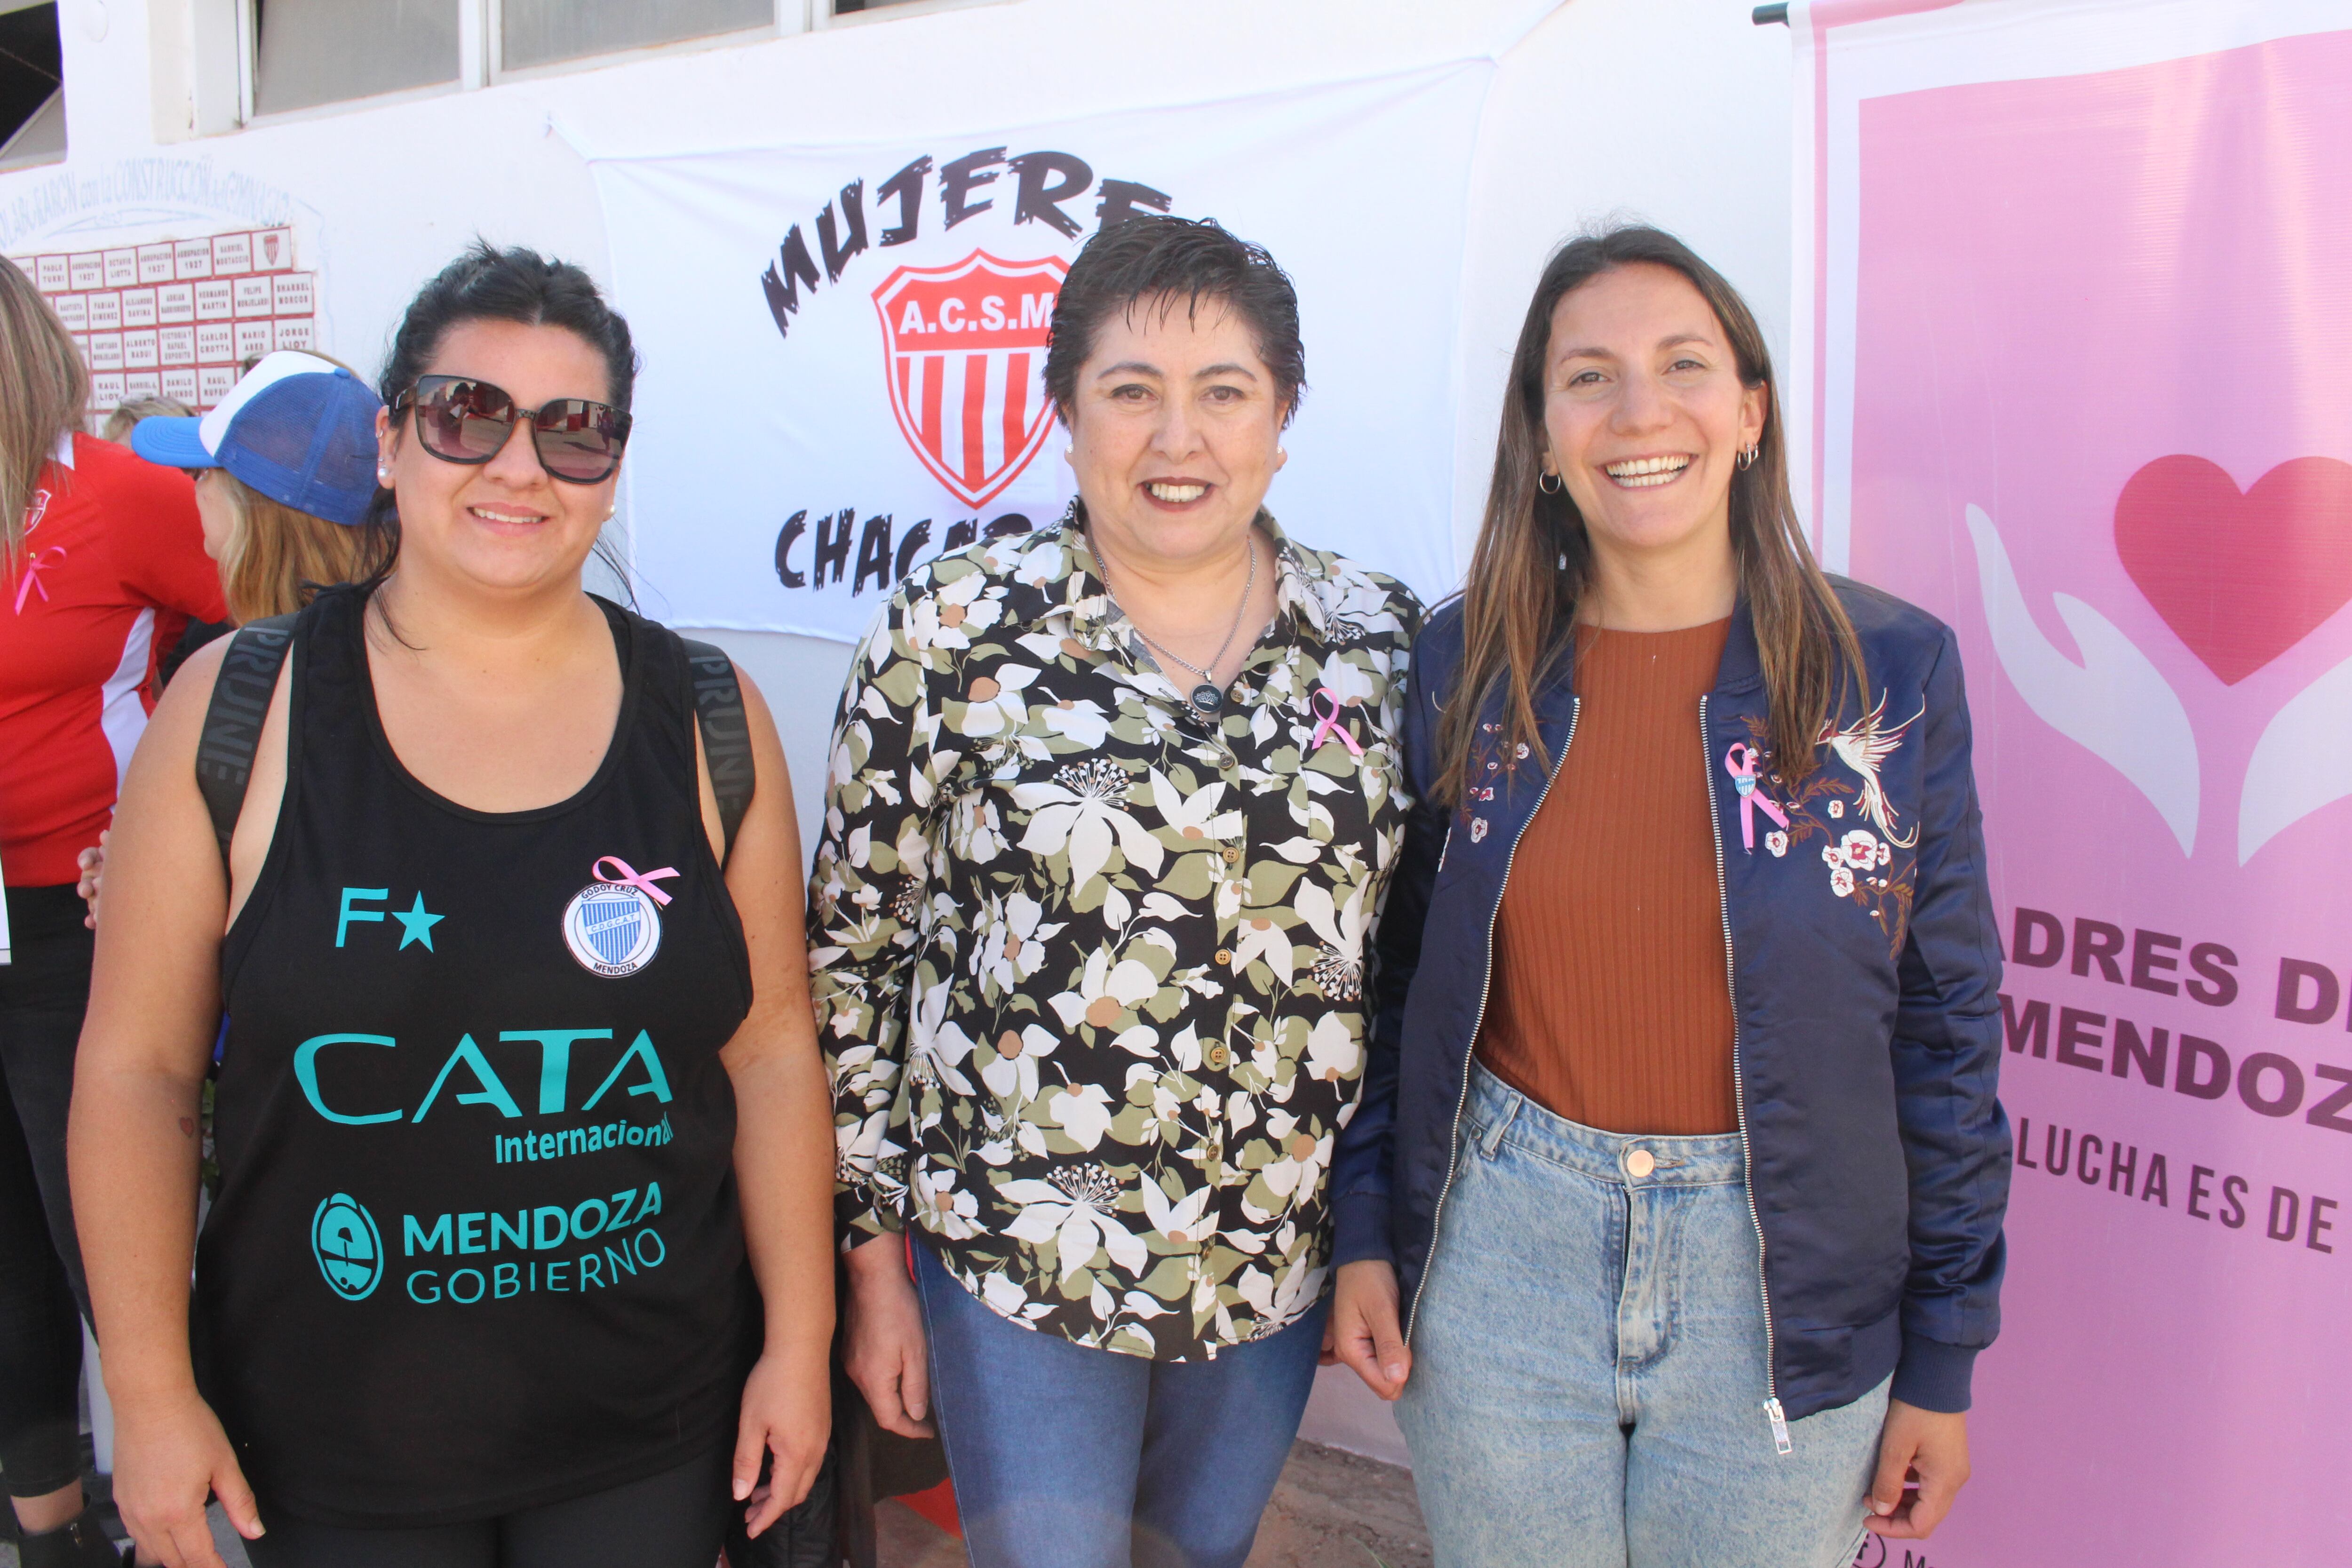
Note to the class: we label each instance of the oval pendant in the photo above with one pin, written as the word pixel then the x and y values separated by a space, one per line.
pixel 1207 699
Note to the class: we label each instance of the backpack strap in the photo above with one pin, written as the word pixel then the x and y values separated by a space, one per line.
pixel 232 732
pixel 725 734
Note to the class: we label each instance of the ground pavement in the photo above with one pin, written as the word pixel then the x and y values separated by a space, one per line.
pixel 1332 1509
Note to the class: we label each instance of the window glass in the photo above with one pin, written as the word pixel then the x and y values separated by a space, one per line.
pixel 32 95
pixel 844 7
pixel 540 32
pixel 309 52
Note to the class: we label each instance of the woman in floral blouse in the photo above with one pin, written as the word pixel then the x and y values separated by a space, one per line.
pixel 1112 804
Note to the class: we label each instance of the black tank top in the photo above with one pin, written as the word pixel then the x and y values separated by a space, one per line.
pixel 476 1246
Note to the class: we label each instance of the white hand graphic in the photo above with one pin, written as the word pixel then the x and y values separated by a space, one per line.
pixel 2115 702
pixel 2303 761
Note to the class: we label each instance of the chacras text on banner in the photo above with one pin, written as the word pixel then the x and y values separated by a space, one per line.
pixel 961 343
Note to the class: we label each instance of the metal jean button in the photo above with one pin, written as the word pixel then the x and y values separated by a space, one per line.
pixel 1640 1162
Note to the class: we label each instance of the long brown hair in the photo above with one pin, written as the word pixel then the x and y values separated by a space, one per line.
pixel 43 389
pixel 275 556
pixel 1533 562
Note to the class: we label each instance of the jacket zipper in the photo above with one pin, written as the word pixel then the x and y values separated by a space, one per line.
pixel 1772 1410
pixel 1454 1146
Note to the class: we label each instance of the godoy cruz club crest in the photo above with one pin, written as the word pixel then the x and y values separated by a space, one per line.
pixel 612 925
pixel 963 348
pixel 349 1247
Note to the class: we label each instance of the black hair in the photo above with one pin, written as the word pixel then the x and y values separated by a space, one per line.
pixel 1168 260
pixel 487 284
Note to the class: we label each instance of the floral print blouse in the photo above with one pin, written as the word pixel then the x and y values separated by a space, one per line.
pixel 1090 969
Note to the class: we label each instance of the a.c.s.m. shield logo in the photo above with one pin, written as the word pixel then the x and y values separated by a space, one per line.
pixel 349 1247
pixel 963 347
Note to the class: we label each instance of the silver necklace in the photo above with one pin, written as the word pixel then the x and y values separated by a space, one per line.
pixel 1206 698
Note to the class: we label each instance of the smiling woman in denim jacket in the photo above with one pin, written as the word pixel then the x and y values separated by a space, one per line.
pixel 1672 1208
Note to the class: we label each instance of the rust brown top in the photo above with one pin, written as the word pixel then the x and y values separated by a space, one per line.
pixel 1610 1005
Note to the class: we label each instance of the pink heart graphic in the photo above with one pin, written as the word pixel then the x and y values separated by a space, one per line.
pixel 2240 578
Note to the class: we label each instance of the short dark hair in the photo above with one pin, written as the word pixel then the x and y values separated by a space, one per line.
pixel 1173 258
pixel 487 284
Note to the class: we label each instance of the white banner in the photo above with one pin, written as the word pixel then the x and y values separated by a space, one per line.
pixel 843 345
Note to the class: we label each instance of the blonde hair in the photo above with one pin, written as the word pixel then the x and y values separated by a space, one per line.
pixel 43 390
pixel 127 414
pixel 275 556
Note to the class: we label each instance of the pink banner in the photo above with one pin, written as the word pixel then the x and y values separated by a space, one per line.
pixel 2098 416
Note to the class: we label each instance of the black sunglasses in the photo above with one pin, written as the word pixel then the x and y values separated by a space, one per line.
pixel 461 419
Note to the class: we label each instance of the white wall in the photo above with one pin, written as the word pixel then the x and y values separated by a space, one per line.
pixel 1673 110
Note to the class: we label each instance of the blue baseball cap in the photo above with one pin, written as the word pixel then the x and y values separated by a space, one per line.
pixel 297 428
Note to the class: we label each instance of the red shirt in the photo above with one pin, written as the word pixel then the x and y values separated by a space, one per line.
pixel 114 568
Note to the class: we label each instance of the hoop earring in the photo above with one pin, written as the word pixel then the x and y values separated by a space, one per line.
pixel 1747 457
pixel 1558 483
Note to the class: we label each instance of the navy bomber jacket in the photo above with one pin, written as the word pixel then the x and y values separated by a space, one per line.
pixel 1864 966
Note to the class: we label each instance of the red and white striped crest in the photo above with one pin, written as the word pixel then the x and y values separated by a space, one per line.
pixel 965 351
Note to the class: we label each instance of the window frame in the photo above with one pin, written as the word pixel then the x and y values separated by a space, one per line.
pixel 478 65
pixel 249 73
pixel 14 162
pixel 896 10
pixel 788 17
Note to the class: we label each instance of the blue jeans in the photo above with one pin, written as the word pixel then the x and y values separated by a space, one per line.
pixel 1589 1372
pixel 1065 1457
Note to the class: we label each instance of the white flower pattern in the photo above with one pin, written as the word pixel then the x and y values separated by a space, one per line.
pixel 1090 971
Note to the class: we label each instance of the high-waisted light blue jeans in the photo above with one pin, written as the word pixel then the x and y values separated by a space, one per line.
pixel 1589 1373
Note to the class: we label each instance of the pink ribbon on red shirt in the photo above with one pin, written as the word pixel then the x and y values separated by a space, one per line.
pixel 31 579
pixel 1330 724
pixel 1741 763
pixel 631 876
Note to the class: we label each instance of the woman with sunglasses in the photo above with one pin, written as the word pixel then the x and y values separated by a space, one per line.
pixel 479 1285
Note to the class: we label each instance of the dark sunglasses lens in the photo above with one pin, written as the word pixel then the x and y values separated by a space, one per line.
pixel 465 421
pixel 576 440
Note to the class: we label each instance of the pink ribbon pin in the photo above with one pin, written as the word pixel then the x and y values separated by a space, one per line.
pixel 1741 763
pixel 31 579
pixel 631 876
pixel 1330 724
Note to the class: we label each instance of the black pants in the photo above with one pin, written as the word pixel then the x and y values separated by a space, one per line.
pixel 673 1520
pixel 43 994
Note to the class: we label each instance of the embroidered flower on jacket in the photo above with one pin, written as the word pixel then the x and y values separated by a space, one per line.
pixel 1863 849
pixel 1862 864
pixel 1777 842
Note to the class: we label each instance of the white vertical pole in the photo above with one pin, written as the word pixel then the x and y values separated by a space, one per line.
pixel 478 24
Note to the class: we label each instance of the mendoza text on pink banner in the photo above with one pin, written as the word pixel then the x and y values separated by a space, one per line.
pixel 2089 273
